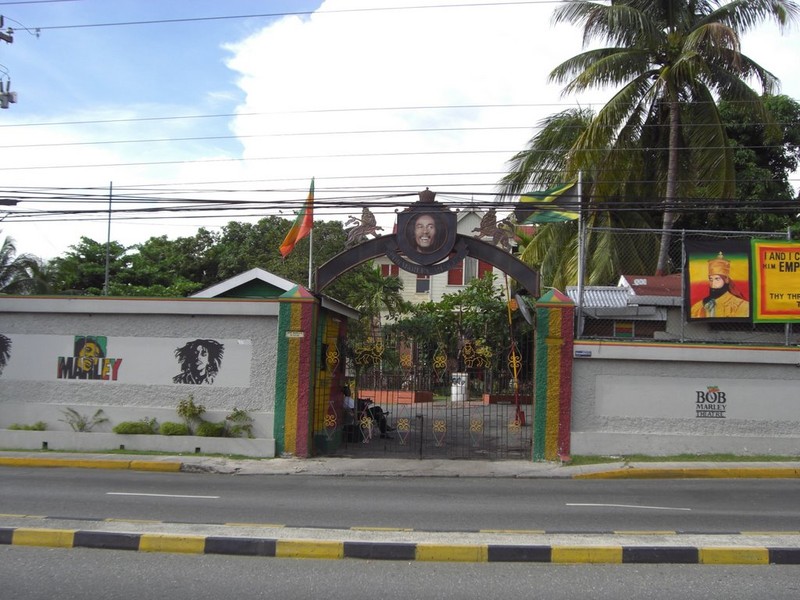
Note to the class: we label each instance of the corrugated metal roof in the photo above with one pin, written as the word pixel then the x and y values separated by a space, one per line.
pixel 597 296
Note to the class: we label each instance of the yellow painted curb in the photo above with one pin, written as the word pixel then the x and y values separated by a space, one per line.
pixel 160 466
pixel 76 463
pixel 716 473
pixel 54 538
pixel 586 554
pixel 186 544
pixel 81 463
pixel 452 552
pixel 733 556
pixel 309 549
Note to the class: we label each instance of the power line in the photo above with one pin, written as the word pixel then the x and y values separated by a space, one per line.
pixel 294 13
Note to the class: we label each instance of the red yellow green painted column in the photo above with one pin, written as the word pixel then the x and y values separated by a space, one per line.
pixel 294 373
pixel 555 314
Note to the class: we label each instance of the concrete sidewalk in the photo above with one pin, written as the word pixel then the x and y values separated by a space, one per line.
pixel 395 467
pixel 392 544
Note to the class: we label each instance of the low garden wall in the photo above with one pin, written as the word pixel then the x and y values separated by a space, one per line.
pixel 663 399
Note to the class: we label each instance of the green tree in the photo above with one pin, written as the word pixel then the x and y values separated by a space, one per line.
pixel 243 246
pixel 372 293
pixel 160 268
pixel 82 269
pixel 764 165
pixel 553 250
pixel 477 312
pixel 20 274
pixel 672 59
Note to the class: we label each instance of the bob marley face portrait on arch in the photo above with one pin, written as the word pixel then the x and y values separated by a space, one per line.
pixel 425 232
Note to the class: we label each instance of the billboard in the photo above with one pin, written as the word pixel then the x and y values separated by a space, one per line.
pixel 717 280
pixel 776 281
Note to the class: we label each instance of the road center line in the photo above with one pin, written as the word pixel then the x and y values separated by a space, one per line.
pixel 160 495
pixel 628 506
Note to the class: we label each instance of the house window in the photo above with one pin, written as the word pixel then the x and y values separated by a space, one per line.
pixel 390 270
pixel 423 284
pixel 465 271
pixel 470 269
pixel 455 276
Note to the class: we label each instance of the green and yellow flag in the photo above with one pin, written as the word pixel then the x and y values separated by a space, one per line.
pixel 302 224
pixel 553 205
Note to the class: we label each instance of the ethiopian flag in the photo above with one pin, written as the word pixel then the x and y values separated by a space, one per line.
pixel 553 205
pixel 302 224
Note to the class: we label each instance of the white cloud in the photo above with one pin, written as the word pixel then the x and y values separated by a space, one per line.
pixel 352 98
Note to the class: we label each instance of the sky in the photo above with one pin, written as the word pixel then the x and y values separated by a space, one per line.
pixel 141 118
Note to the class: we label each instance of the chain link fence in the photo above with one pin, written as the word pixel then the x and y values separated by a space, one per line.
pixel 683 306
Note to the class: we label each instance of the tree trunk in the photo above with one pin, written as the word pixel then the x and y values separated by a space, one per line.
pixel 670 214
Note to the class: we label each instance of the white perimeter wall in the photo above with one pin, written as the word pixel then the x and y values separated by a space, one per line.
pixel 676 398
pixel 250 325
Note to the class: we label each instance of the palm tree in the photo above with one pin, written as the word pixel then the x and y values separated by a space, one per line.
pixel 19 274
pixel 549 160
pixel 672 59
pixel 376 294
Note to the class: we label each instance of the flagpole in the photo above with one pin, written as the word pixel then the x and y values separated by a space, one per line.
pixel 581 253
pixel 310 256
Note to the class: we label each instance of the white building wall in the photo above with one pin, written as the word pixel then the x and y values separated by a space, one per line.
pixel 673 399
pixel 28 395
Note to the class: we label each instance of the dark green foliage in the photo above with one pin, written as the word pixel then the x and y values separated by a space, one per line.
pixel 143 427
pixel 81 270
pixel 172 428
pixel 20 273
pixel 211 429
pixel 191 413
pixel 238 423
pixel 38 426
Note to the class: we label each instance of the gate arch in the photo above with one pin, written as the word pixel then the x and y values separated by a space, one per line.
pixel 386 245
pixel 494 427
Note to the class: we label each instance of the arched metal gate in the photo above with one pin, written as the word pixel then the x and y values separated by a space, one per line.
pixel 474 405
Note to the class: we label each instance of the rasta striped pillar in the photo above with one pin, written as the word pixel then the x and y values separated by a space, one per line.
pixel 555 314
pixel 294 372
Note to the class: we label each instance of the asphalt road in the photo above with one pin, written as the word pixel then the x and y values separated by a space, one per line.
pixel 433 504
pixel 36 573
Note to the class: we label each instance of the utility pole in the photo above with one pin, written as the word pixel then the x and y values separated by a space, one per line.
pixel 6 95
pixel 8 36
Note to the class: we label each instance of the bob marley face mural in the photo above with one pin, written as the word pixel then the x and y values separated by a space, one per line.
pixel 88 350
pixel 200 361
pixel 5 351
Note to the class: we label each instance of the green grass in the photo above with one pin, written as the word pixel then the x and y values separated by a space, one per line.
pixel 722 458
pixel 136 453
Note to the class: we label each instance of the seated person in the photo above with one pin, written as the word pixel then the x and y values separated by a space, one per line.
pixel 349 405
pixel 376 413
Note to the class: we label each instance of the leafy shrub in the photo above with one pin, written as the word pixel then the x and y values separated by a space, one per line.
pixel 172 428
pixel 82 423
pixel 238 423
pixel 38 426
pixel 143 427
pixel 191 413
pixel 210 429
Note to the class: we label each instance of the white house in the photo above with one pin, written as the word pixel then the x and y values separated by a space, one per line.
pixel 431 288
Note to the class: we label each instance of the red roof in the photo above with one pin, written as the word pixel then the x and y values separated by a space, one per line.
pixel 653 285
